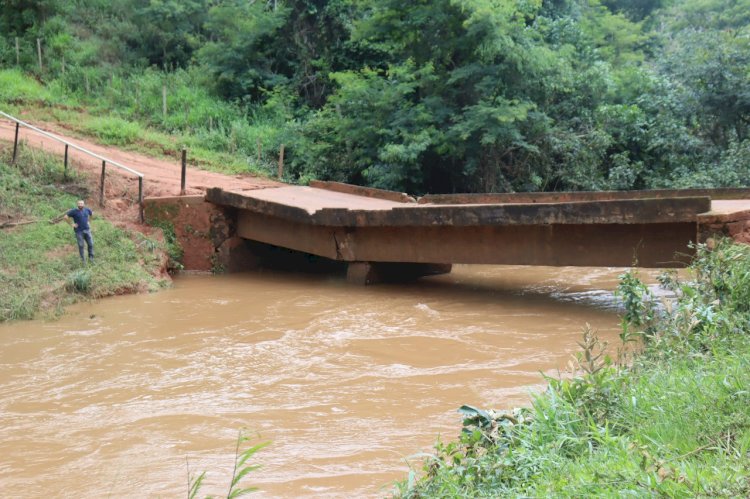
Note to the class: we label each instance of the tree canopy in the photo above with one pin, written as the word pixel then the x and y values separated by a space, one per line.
pixel 445 95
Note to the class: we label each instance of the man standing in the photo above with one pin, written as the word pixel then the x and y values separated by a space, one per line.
pixel 79 218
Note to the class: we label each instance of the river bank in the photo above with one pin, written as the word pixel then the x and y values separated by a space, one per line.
pixel 672 422
pixel 40 270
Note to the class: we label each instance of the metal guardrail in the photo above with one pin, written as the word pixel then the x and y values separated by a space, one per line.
pixel 104 160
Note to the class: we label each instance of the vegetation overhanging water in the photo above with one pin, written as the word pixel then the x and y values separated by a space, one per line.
pixel 672 420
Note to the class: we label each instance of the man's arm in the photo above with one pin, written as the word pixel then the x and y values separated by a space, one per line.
pixel 69 220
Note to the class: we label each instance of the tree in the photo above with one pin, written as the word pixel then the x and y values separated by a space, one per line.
pixel 257 47
pixel 452 105
pixel 169 31
pixel 241 53
pixel 19 16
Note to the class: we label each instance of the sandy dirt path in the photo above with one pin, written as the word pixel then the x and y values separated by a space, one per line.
pixel 161 177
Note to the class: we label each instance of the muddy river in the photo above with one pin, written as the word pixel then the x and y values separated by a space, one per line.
pixel 121 397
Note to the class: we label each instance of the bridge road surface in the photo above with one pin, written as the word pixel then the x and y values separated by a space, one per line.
pixel 353 224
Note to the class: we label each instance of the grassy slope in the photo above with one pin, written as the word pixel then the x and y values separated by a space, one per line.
pixel 218 136
pixel 40 271
pixel 675 423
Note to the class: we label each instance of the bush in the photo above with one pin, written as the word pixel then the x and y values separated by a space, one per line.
pixel 79 281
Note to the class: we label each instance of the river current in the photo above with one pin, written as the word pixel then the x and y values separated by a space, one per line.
pixel 124 397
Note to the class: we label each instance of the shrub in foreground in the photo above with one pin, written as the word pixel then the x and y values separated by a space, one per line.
pixel 671 420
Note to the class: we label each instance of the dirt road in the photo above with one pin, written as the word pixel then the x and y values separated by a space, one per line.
pixel 161 177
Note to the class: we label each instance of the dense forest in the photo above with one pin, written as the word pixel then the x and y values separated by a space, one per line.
pixel 418 96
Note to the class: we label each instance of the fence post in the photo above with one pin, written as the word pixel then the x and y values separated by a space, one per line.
pixel 18 53
pixel 140 197
pixel 65 167
pixel 39 52
pixel 101 186
pixel 15 145
pixel 184 171
pixel 164 101
pixel 281 162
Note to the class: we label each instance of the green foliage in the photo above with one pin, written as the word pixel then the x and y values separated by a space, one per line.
pixel 639 303
pixel 616 38
pixel 113 130
pixel 240 471
pixel 168 30
pixel 242 468
pixel 636 10
pixel 256 49
pixel 367 94
pixel 17 87
pixel 673 422
pixel 442 96
pixel 443 112
pixel 242 55
pixel 79 281
pixel 19 16
pixel 174 249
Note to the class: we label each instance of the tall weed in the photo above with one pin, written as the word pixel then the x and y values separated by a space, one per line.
pixel 241 469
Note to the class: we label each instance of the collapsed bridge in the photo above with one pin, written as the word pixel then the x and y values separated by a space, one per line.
pixel 383 234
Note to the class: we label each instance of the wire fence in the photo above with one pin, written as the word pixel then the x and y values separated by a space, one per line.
pixel 69 145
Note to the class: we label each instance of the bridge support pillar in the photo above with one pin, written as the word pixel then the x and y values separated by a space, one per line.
pixel 365 273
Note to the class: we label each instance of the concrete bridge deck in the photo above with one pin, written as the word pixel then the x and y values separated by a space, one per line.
pixel 381 231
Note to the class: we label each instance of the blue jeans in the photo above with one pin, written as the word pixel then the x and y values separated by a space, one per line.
pixel 85 235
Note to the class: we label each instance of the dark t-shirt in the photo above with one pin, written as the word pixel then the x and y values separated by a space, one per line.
pixel 80 217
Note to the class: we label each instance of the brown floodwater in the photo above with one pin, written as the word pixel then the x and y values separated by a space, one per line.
pixel 120 397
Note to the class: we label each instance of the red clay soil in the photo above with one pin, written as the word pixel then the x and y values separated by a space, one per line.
pixel 161 177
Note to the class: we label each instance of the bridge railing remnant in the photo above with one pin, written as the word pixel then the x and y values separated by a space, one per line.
pixel 68 145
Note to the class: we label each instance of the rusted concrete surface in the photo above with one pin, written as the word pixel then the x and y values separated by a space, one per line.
pixel 650 245
pixel 297 202
pixel 333 209
pixel 730 218
pixel 189 218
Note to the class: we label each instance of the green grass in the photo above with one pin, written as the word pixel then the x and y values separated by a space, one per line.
pixel 681 429
pixel 673 422
pixel 17 87
pixel 40 270
pixel 126 111
pixel 112 130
